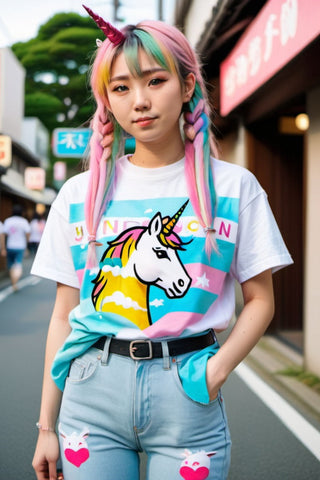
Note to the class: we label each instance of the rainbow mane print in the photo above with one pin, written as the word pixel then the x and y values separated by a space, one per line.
pixel 138 258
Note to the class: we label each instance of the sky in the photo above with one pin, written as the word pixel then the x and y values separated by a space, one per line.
pixel 20 19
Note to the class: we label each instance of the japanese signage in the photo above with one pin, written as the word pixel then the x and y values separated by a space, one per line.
pixel 35 178
pixel 59 171
pixel 282 29
pixel 70 142
pixel 5 151
pixel 59 174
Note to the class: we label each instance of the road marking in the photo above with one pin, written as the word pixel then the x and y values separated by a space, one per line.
pixel 25 282
pixel 296 423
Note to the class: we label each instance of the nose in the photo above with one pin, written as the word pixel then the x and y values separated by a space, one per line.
pixel 180 286
pixel 141 101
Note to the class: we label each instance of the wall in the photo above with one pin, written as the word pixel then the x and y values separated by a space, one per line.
pixel 36 138
pixel 233 147
pixel 198 16
pixel 312 255
pixel 12 76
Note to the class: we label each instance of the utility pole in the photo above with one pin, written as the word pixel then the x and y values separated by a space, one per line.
pixel 116 5
pixel 160 10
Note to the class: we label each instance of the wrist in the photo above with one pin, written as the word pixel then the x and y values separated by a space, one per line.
pixel 44 428
pixel 218 369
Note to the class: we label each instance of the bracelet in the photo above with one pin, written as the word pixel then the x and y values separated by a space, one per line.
pixel 44 429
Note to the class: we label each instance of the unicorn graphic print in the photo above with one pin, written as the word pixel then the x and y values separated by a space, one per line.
pixel 141 257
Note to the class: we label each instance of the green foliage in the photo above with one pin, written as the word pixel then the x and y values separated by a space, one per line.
pixel 56 62
pixel 44 106
pixel 303 376
pixel 62 21
pixel 42 103
pixel 80 36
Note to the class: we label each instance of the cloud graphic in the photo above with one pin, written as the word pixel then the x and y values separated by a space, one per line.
pixel 157 303
pixel 117 271
pixel 126 302
pixel 94 271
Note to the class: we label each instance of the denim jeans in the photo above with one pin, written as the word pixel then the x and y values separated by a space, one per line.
pixel 14 256
pixel 114 407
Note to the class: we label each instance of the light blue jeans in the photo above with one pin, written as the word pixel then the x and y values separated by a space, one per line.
pixel 114 407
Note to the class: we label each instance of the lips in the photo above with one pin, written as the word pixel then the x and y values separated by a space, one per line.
pixel 144 121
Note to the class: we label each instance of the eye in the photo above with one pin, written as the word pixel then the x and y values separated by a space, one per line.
pixel 156 81
pixel 120 88
pixel 161 254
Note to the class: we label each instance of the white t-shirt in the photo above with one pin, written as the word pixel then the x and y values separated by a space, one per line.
pixel 16 228
pixel 36 229
pixel 154 279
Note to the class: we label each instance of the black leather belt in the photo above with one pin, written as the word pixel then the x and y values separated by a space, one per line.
pixel 146 349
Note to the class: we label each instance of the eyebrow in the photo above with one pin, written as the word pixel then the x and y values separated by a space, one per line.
pixel 144 73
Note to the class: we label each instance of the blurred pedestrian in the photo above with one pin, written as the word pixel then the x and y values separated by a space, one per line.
pixel 2 240
pixel 138 361
pixel 37 225
pixel 17 230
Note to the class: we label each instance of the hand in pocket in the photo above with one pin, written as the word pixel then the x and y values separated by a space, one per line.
pixel 215 379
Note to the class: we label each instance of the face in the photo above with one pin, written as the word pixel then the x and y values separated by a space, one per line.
pixel 148 107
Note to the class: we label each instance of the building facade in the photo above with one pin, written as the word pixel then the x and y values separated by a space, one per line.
pixel 23 145
pixel 261 62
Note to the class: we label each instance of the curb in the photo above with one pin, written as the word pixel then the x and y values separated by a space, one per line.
pixel 268 358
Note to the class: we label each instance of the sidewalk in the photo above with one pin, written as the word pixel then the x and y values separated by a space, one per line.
pixel 270 357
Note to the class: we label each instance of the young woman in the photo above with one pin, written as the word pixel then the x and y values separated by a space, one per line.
pixel 145 249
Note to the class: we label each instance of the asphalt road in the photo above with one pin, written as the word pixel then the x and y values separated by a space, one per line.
pixel 263 448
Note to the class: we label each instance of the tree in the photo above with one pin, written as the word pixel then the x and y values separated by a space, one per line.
pixel 56 63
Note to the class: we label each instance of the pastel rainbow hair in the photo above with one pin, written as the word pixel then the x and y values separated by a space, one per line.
pixel 170 49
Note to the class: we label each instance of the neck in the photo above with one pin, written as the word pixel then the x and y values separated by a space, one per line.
pixel 153 156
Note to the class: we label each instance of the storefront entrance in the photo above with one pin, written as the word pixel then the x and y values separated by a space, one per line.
pixel 276 159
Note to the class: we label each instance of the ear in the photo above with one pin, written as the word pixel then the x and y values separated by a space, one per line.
pixel 188 87
pixel 107 104
pixel 63 435
pixel 210 454
pixel 84 433
pixel 155 225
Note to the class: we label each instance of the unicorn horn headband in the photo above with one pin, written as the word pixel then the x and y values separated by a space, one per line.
pixel 114 35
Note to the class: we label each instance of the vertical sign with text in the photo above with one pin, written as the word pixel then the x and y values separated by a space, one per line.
pixel 282 29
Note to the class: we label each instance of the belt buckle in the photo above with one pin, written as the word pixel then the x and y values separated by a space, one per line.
pixel 132 349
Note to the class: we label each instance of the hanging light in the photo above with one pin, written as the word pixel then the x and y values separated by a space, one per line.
pixel 302 122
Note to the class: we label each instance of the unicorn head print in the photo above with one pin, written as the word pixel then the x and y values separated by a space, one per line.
pixel 138 258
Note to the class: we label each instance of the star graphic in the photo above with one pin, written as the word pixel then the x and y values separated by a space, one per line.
pixel 202 281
